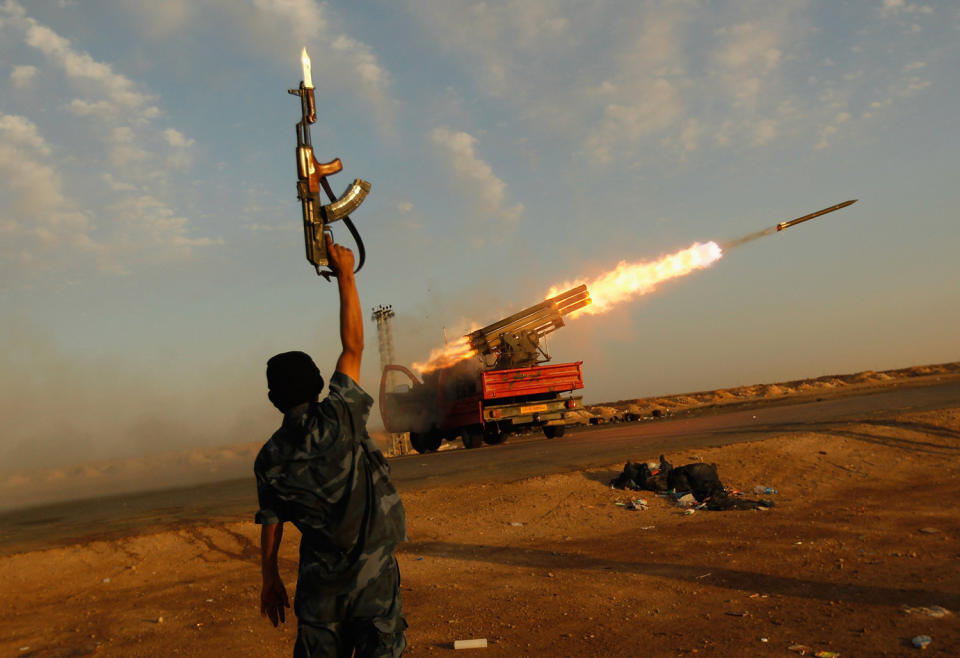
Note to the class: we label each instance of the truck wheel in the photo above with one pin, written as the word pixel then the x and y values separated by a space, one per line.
pixel 472 437
pixel 432 440
pixel 553 431
pixel 416 440
pixel 492 436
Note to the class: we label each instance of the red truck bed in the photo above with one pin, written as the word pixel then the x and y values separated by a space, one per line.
pixel 546 378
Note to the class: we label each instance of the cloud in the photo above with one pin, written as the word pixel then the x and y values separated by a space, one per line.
pixel 142 218
pixel 21 76
pixel 101 223
pixel 495 37
pixel 180 156
pixel 475 174
pixel 747 57
pixel 764 131
pixel 305 16
pixel 116 185
pixel 78 65
pixel 648 107
pixel 161 20
pixel 22 131
pixel 43 217
pixel 895 7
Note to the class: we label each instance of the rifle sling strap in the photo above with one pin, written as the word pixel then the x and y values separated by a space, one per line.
pixel 361 252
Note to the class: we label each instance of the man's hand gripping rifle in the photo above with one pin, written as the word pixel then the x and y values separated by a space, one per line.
pixel 312 175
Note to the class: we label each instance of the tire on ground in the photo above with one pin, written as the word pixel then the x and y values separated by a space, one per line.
pixel 417 441
pixel 432 440
pixel 492 435
pixel 553 431
pixel 472 437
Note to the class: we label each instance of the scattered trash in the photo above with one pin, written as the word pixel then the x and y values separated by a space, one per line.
pixel 689 511
pixel 159 620
pixel 647 527
pixel 929 531
pixel 686 500
pixel 24 648
pixel 637 476
pixel 704 575
pixel 802 649
pixel 827 654
pixel 638 504
pixel 692 484
pixel 930 611
pixel 741 613
pixel 479 643
pixel 105 580
pixel 760 489
pixel 420 558
pixel 921 641
pixel 209 600
pixel 516 524
pixel 763 639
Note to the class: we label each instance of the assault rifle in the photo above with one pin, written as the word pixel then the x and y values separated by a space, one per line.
pixel 312 175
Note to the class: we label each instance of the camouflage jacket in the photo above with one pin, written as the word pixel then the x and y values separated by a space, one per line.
pixel 322 472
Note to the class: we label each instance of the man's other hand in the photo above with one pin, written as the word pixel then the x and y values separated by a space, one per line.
pixel 273 599
pixel 339 257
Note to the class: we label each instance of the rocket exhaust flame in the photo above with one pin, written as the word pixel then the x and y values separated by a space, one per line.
pixel 629 280
pixel 447 355
pixel 626 281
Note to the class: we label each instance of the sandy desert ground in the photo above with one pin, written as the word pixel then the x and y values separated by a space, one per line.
pixel 862 543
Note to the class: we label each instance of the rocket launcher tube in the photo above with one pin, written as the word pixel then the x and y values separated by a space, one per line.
pixel 542 318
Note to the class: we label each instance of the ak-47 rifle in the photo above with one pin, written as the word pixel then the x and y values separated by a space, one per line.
pixel 312 175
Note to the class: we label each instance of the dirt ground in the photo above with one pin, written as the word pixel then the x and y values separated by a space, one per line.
pixel 865 526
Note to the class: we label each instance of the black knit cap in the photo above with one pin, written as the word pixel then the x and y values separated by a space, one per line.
pixel 292 378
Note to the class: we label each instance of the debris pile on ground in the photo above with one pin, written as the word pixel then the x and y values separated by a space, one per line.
pixel 695 485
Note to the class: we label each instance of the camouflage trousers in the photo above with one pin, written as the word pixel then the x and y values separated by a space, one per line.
pixel 367 619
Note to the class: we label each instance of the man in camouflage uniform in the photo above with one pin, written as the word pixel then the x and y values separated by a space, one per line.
pixel 321 472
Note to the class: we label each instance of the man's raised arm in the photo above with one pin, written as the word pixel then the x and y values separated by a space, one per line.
pixel 351 318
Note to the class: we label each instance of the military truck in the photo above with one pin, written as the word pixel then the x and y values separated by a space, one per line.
pixel 506 386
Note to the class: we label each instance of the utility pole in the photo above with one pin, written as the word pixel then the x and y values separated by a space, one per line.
pixel 382 315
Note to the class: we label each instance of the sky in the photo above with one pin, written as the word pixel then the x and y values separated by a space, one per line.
pixel 151 247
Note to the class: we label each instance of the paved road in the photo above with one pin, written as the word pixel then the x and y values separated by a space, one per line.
pixel 610 444
pixel 516 459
